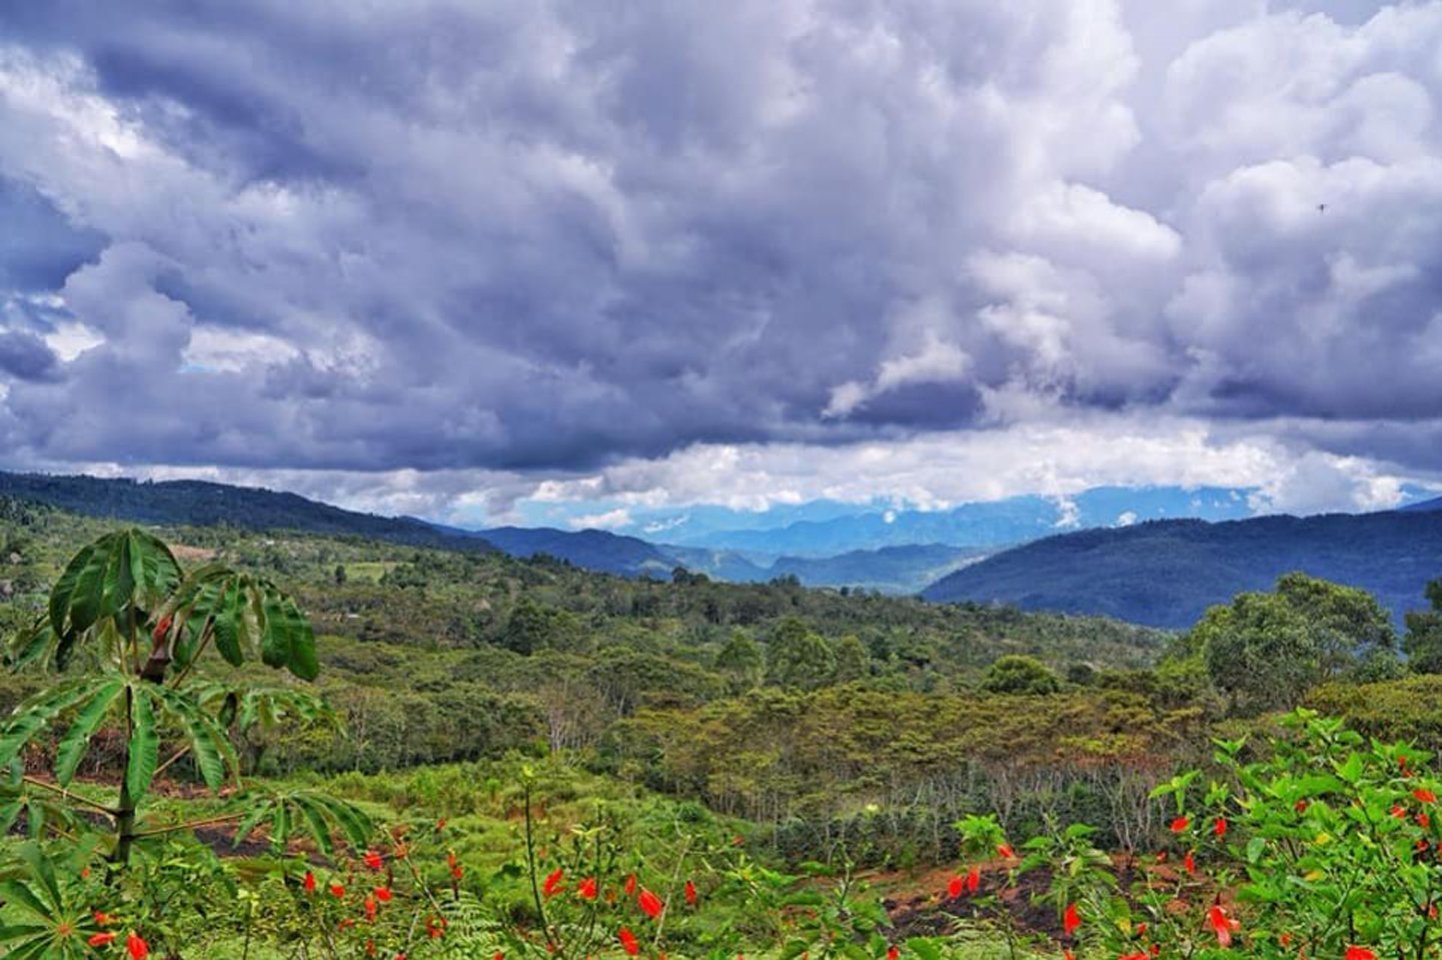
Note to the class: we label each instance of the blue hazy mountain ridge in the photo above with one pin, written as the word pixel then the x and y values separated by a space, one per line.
pixel 1166 573
pixel 992 524
pixel 904 569
pixel 592 549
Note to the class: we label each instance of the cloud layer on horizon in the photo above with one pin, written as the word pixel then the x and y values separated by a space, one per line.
pixel 442 253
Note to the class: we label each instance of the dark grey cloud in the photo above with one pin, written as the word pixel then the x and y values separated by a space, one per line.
pixel 553 235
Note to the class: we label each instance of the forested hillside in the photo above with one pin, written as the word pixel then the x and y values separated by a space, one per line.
pixel 698 723
pixel 1167 572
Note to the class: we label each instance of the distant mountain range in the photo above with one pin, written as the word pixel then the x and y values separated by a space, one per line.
pixel 1160 572
pixel 992 524
pixel 1166 573
pixel 202 503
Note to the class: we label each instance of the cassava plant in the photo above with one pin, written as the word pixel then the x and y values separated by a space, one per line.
pixel 123 633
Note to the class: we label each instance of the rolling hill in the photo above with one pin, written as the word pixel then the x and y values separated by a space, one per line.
pixel 1166 573
pixel 204 504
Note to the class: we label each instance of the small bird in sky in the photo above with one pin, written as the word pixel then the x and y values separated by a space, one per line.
pixel 1321 208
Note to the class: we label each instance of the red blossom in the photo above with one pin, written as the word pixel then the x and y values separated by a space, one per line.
pixel 136 946
pixel 973 880
pixel 1360 953
pixel 370 908
pixel 373 860
pixel 1300 806
pixel 1424 795
pixel 308 882
pixel 1399 811
pixel 954 887
pixel 383 894
pixel 586 889
pixel 1180 824
pixel 103 919
pixel 1005 851
pixel 337 891
pixel 650 904
pixel 1189 862
pixel 893 953
pixel 1222 925
pixel 1070 920
pixel 1220 827
pixel 101 939
pixel 690 891
pixel 631 885
pixel 628 941
pixel 553 882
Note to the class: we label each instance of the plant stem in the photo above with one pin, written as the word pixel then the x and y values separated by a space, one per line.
pixel 531 863
pixel 111 812
pixel 189 825
pixel 125 807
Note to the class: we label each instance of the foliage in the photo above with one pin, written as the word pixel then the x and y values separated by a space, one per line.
pixel 1265 650
pixel 1021 675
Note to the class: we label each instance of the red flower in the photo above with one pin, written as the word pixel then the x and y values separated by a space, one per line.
pixel 1220 827
pixel 337 891
pixel 457 873
pixel 440 824
pixel 973 880
pixel 373 860
pixel 309 882
pixel 954 887
pixel 1423 820
pixel 1399 811
pixel 103 919
pixel 1005 851
pixel 690 891
pixel 650 904
pixel 892 953
pixel 631 885
pixel 1070 920
pixel 136 946
pixel 1222 925
pixel 1360 953
pixel 628 941
pixel 1300 806
pixel 370 907
pixel 1285 939
pixel 1180 824
pixel 161 629
pixel 383 894
pixel 586 889
pixel 101 939
pixel 1425 796
pixel 553 882
pixel 435 927
pixel 1161 856
pixel 1189 862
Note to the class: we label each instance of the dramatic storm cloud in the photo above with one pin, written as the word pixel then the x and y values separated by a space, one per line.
pixel 425 256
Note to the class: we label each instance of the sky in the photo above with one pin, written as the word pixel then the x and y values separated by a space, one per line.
pixel 477 261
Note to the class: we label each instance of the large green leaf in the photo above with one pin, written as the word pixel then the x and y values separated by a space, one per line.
pixel 144 743
pixel 77 740
pixel 209 746
pixel 35 714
